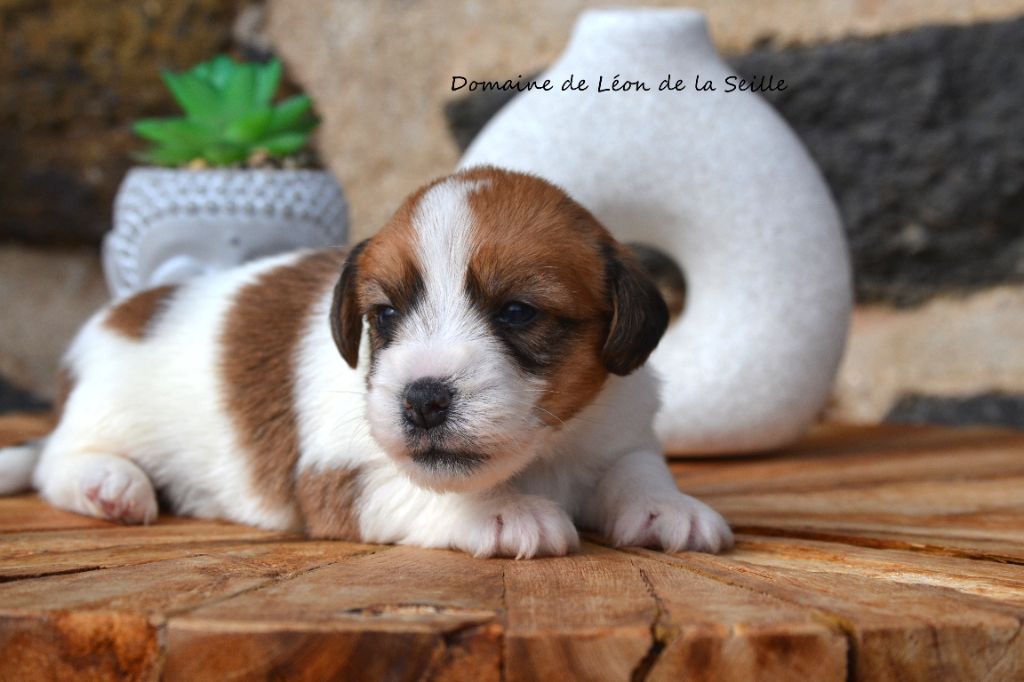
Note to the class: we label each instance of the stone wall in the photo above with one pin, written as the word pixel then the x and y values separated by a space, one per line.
pixel 920 134
pixel 74 74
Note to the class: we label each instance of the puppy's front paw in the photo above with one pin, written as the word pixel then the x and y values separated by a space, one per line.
pixel 673 522
pixel 119 493
pixel 520 526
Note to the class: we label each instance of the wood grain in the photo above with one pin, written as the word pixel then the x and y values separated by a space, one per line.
pixel 31 553
pixel 896 631
pixel 397 614
pixel 938 542
pixel 711 630
pixel 998 581
pixel 589 616
pixel 923 454
pixel 886 553
pixel 25 513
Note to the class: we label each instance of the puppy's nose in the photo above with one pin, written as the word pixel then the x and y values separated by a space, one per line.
pixel 426 403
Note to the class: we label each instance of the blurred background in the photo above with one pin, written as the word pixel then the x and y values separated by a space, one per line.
pixel 914 110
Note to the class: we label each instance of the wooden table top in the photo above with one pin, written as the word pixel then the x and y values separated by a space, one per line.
pixel 881 553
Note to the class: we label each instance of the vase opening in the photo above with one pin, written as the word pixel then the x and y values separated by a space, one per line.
pixel 631 28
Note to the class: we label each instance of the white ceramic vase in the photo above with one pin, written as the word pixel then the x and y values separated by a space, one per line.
pixel 721 183
pixel 171 225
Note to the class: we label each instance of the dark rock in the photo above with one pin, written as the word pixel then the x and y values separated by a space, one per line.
pixel 73 77
pixel 14 399
pixel 920 135
pixel 993 409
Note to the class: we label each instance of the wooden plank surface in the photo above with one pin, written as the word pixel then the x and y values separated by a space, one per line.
pixel 395 614
pixel 589 617
pixel 884 553
pixel 710 630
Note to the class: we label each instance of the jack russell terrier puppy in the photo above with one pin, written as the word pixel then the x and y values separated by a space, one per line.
pixel 471 377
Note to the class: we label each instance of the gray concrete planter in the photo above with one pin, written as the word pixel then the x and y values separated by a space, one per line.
pixel 172 225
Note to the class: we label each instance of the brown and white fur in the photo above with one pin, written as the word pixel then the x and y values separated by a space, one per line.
pixel 278 394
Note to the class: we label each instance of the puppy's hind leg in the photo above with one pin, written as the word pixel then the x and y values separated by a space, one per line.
pixel 99 484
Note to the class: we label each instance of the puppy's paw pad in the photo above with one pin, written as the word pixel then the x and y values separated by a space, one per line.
pixel 673 523
pixel 120 493
pixel 523 527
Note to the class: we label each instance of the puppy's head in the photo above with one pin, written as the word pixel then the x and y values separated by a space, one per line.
pixel 496 307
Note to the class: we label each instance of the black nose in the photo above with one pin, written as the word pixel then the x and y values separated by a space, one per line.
pixel 426 403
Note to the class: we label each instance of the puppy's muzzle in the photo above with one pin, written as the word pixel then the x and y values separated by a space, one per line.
pixel 426 403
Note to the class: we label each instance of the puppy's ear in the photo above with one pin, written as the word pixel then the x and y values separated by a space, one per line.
pixel 639 313
pixel 346 320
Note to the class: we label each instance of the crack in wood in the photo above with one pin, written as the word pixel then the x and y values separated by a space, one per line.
pixel 203 549
pixel 269 581
pixel 47 574
pixel 848 630
pixel 172 542
pixel 412 609
pixel 834 621
pixel 459 636
pixel 1008 647
pixel 660 636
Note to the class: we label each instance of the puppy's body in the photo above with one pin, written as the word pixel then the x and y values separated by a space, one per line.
pixel 493 396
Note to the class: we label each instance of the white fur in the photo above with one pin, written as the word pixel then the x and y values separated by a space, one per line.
pixel 151 413
pixel 330 400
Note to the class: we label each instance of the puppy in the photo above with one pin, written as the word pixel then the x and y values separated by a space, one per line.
pixel 471 377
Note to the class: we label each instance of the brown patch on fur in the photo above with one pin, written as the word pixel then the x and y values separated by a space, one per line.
pixel 578 379
pixel 262 332
pixel 135 317
pixel 534 244
pixel 65 384
pixel 327 499
pixel 390 257
pixel 389 260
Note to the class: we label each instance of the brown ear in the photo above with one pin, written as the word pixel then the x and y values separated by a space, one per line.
pixel 346 319
pixel 639 314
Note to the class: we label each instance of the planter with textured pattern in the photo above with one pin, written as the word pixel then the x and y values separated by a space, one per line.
pixel 171 225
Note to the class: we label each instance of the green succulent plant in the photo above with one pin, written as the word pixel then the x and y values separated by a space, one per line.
pixel 228 117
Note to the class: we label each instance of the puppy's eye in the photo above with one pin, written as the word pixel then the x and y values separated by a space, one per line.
pixel 516 314
pixel 386 315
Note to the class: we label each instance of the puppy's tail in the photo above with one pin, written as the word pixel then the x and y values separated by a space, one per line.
pixel 17 463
